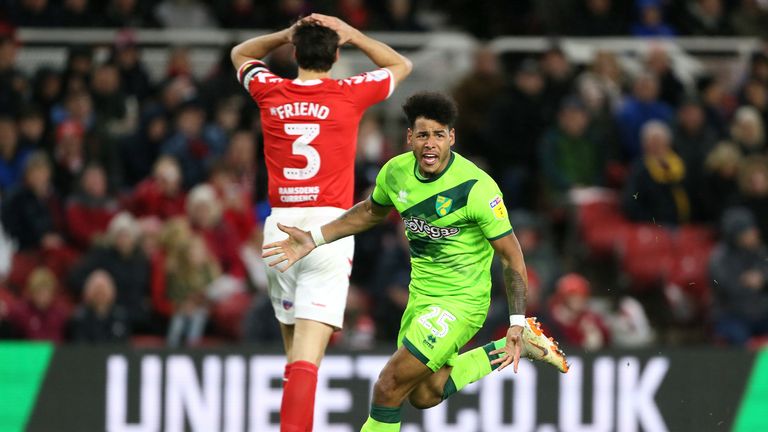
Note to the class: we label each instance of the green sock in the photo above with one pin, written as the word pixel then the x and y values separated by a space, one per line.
pixel 471 366
pixel 382 419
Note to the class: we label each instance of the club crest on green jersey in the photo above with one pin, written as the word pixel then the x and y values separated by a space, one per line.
pixel 443 205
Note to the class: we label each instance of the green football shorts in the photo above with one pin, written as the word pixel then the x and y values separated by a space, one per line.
pixel 434 329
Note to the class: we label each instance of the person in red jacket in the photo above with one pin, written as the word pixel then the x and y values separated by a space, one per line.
pixel 39 316
pixel 571 317
pixel 90 210
pixel 161 195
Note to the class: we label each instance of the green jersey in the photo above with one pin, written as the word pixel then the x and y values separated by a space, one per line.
pixel 449 221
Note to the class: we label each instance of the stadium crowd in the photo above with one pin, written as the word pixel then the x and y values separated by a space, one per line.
pixel 131 207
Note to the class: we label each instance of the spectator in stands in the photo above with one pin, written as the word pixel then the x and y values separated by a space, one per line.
pixel 134 78
pixel 31 126
pixel 91 208
pixel 753 190
pixel 190 147
pixel 98 319
pixel 109 102
pixel 518 112
pixel 359 326
pixel 755 95
pixel 651 20
pixel 236 201
pixel 739 269
pixel 13 83
pixel 571 318
pixel 75 13
pixel 226 119
pixel 121 257
pixel 758 67
pixel 597 18
pixel 750 19
pixel 658 62
pixel 721 187
pixel 570 157
pixel 748 131
pixel 240 158
pixel 179 63
pixel 140 150
pixel 69 158
pixel 12 155
pixel 606 74
pixel 184 14
pixel 400 16
pixel 706 18
pixel 535 238
pixel 204 211
pixel 389 284
pixel 559 77
pixel 655 191
pixel 693 141
pixel 355 12
pixel 78 69
pixel 39 316
pixel 46 91
pixel 714 99
pixel 476 93
pixel 638 109
pixel 240 14
pixel 190 270
pixel 32 13
pixel 32 214
pixel 160 195
pixel 128 14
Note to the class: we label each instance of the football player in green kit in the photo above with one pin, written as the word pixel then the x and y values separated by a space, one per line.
pixel 455 220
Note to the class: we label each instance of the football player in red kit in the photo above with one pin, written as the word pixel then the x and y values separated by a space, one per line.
pixel 310 132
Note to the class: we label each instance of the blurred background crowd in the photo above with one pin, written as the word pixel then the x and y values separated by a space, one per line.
pixel 132 206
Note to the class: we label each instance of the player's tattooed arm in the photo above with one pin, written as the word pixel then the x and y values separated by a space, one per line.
pixel 515 276
pixel 363 216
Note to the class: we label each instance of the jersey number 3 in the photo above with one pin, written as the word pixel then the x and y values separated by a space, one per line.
pixel 306 132
pixel 440 327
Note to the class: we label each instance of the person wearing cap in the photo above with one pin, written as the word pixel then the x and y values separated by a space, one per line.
pixel 571 317
pixel 739 270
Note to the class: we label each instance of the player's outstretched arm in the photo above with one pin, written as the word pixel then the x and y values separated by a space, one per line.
pixel 300 243
pixel 257 48
pixel 381 54
pixel 516 283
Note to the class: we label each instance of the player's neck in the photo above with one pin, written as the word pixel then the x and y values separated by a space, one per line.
pixel 306 75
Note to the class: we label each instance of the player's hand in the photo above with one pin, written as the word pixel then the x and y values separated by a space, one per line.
pixel 298 245
pixel 511 351
pixel 345 31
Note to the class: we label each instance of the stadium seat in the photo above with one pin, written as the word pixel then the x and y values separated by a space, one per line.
pixel 602 226
pixel 647 255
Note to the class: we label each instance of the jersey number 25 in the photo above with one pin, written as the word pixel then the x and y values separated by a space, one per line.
pixel 306 132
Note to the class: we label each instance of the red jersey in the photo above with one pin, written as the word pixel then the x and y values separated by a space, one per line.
pixel 310 132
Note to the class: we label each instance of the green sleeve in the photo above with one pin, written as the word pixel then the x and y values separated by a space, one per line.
pixel 380 194
pixel 486 208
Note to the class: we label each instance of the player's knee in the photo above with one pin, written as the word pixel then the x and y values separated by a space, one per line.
pixel 424 400
pixel 386 389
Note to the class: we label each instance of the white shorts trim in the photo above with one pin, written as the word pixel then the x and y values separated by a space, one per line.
pixel 315 288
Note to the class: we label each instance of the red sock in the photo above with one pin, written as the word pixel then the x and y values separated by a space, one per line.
pixel 298 405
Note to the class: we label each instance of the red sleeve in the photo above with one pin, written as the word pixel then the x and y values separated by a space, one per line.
pixel 369 88
pixel 159 298
pixel 256 78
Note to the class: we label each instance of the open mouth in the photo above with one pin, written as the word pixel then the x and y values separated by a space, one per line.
pixel 430 159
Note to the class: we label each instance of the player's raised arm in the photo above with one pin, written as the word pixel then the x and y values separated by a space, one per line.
pixel 516 284
pixel 381 54
pixel 258 47
pixel 363 216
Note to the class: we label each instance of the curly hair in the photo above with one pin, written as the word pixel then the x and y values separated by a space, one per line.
pixel 316 46
pixel 432 106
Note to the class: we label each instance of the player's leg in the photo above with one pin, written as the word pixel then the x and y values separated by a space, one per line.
pixel 402 373
pixel 321 292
